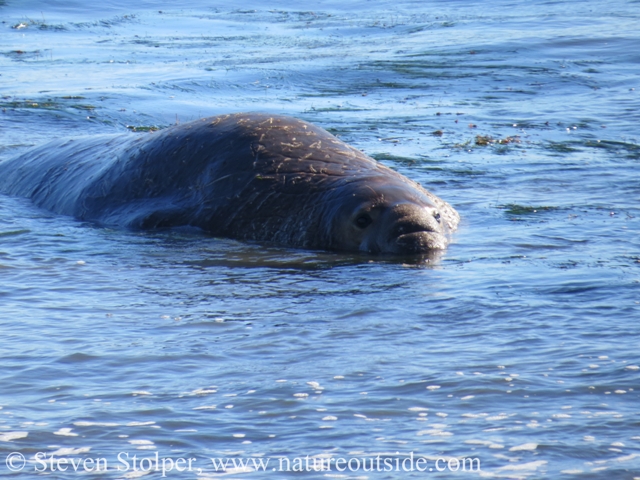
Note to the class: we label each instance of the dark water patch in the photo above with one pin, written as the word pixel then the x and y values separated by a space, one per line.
pixel 14 233
pixel 145 128
pixel 22 55
pixel 28 104
pixel 83 107
pixel 462 172
pixel 630 260
pixel 39 24
pixel 577 288
pixel 515 209
pixel 381 157
pixel 45 103
pixel 78 358
pixel 629 150
pixel 281 261
pixel 440 69
pixel 562 148
pixel 340 108
pixel 115 21
pixel 55 27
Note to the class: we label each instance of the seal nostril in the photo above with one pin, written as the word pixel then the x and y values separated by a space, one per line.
pixel 437 216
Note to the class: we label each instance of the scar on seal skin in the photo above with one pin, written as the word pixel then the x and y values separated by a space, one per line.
pixel 246 176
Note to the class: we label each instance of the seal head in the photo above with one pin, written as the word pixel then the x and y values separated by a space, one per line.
pixel 387 216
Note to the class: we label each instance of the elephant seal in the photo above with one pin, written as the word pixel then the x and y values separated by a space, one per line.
pixel 247 176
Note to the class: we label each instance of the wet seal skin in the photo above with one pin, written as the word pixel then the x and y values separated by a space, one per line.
pixel 245 176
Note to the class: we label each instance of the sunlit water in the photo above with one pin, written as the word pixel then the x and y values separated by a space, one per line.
pixel 519 347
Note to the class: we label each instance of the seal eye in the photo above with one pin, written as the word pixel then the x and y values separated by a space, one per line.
pixel 437 216
pixel 363 221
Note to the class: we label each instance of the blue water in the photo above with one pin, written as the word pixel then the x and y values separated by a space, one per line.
pixel 518 347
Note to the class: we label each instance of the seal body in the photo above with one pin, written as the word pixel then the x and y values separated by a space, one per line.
pixel 246 176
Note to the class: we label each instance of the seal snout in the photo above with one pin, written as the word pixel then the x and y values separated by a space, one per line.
pixel 410 218
pixel 415 228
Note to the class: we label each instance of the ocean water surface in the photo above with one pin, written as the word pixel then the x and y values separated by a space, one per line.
pixel 512 355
